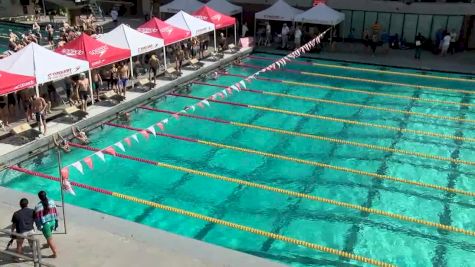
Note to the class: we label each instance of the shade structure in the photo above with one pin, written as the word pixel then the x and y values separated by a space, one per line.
pixel 181 5
pixel 223 6
pixel 43 64
pixel 280 10
pixel 210 15
pixel 95 52
pixel 10 82
pixel 160 29
pixel 321 14
pixel 195 25
pixel 125 37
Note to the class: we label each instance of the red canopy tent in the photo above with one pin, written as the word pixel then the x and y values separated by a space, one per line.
pixel 95 52
pixel 10 82
pixel 218 19
pixel 160 29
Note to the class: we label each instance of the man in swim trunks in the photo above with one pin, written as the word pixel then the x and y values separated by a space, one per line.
pixel 124 77
pixel 83 89
pixel 39 108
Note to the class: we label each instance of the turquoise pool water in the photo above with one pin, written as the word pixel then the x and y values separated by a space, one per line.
pixel 374 236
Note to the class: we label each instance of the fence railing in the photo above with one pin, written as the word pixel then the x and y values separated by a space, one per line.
pixel 36 248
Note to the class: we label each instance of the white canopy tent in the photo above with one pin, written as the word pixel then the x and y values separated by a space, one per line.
pixel 181 5
pixel 195 25
pixel 280 11
pixel 321 14
pixel 43 64
pixel 223 6
pixel 139 43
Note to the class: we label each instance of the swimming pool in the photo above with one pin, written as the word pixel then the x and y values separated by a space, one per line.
pixel 289 133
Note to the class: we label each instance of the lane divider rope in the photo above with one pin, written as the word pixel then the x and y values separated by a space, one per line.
pixel 318 137
pixel 229 224
pixel 371 70
pixel 419 87
pixel 326 118
pixel 306 162
pixel 347 104
pixel 335 88
pixel 291 193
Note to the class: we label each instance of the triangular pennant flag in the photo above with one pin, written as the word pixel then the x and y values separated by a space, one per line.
pixel 110 150
pixel 200 105
pixel 127 140
pixel 165 121
pixel 243 84
pixel 221 95
pixel 134 136
pixel 100 155
pixel 205 102
pixel 229 90
pixel 278 64
pixel 67 187
pixel 144 134
pixel 88 162
pixel 224 92
pixel 78 166
pixel 213 97
pixel 192 107
pixel 65 173
pixel 234 88
pixel 176 116
pixel 160 125
pixel 152 130
pixel 120 145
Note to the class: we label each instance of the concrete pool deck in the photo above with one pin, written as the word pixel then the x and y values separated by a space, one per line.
pixel 97 239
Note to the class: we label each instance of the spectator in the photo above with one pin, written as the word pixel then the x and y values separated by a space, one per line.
pixel 22 224
pixel 46 219
pixel 114 15
pixel 445 44
pixel 297 37
pixel 268 35
pixel 285 36
pixel 244 30
pixel 453 41
pixel 418 40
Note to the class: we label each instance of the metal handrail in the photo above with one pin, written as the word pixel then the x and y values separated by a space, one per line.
pixel 36 258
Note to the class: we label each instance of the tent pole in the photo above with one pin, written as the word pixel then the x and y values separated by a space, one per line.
pixel 235 34
pixel 132 71
pixel 90 86
pixel 164 57
pixel 37 89
pixel 215 47
pixel 255 30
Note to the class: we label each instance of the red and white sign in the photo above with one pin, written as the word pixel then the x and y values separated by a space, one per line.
pixel 160 29
pixel 316 2
pixel 210 15
pixel 10 82
pixel 95 52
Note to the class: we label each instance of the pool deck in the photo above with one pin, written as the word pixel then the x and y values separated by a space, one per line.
pixel 13 151
pixel 97 239
pixel 463 62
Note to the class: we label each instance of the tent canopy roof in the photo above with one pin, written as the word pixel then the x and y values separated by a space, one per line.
pixel 225 7
pixel 97 53
pixel 178 5
pixel 280 10
pixel 321 14
pixel 195 25
pixel 13 82
pixel 125 37
pixel 43 64
pixel 160 29
pixel 210 15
